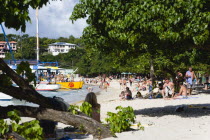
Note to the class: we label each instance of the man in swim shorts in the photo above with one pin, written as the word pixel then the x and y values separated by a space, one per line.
pixel 190 76
pixel 168 88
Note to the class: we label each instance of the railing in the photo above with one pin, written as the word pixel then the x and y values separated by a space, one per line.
pixel 31 62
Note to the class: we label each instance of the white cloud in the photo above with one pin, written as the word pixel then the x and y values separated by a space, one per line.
pixel 54 21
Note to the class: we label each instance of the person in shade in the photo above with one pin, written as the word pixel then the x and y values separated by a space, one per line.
pixel 182 91
pixel 91 99
pixel 168 89
pixel 190 76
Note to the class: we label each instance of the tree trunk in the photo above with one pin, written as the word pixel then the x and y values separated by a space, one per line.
pixel 26 92
pixel 152 72
pixel 92 126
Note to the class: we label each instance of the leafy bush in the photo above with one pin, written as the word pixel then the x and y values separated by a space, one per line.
pixel 85 108
pixel 73 109
pixel 121 120
pixel 29 130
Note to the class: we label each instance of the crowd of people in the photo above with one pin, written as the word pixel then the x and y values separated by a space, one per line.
pixel 165 89
pixel 181 87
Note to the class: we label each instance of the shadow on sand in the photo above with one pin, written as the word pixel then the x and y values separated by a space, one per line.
pixel 184 110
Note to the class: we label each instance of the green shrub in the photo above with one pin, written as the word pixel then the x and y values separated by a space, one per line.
pixel 121 120
pixel 84 108
pixel 29 130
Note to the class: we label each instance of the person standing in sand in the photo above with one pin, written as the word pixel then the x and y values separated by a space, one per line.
pixel 168 88
pixel 190 76
pixel 124 83
pixel 106 85
pixel 91 99
pixel 120 81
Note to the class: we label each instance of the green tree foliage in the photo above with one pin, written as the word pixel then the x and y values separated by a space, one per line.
pixel 11 37
pixel 15 13
pixel 172 33
pixel 27 48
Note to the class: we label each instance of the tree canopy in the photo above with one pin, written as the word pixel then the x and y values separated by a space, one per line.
pixel 172 33
pixel 15 13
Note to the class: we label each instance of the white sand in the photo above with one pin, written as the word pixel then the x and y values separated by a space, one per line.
pixel 159 118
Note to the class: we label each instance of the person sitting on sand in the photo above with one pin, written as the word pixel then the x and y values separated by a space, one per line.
pixel 136 88
pixel 122 95
pixel 182 91
pixel 128 93
pixel 91 99
pixel 168 88
pixel 144 86
pixel 138 95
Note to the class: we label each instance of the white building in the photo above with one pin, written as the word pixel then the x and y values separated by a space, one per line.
pixel 4 47
pixel 60 47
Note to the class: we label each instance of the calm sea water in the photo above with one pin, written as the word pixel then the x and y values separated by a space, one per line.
pixel 69 96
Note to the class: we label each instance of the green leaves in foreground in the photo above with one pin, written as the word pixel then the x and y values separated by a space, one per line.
pixel 29 130
pixel 24 69
pixel 121 120
pixel 85 108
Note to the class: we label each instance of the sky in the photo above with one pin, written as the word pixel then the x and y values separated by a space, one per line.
pixel 54 21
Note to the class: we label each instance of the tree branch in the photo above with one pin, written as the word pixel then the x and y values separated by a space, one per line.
pixel 34 97
pixel 26 92
pixel 92 126
pixel 13 75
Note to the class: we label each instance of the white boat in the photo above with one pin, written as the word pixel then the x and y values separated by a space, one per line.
pixel 44 86
pixel 5 97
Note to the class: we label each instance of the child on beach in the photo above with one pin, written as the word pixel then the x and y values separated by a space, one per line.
pixel 122 95
pixel 138 95
pixel 91 99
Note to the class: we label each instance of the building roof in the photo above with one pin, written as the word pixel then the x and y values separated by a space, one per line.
pixel 62 43
pixel 9 42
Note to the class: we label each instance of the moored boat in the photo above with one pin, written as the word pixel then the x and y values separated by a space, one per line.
pixel 47 87
pixel 5 97
pixel 71 85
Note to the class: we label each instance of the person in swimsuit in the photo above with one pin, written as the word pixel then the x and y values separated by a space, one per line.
pixel 168 88
pixel 182 91
pixel 190 76
pixel 120 81
pixel 128 93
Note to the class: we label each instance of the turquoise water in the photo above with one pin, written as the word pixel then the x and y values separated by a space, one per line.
pixel 69 96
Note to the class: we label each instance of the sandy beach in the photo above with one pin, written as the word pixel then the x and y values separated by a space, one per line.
pixel 159 117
